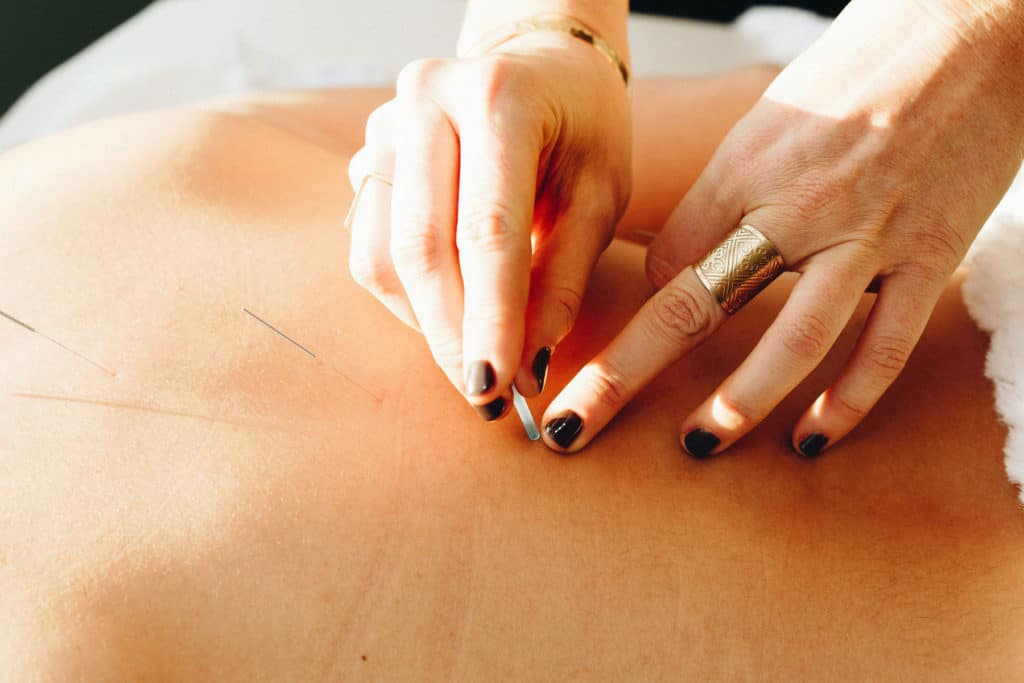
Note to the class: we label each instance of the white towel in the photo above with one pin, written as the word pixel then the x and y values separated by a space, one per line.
pixel 994 294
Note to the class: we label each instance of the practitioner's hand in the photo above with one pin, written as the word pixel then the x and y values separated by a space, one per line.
pixel 875 157
pixel 510 171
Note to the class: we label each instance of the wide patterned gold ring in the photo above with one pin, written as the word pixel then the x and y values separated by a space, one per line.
pixel 347 225
pixel 742 264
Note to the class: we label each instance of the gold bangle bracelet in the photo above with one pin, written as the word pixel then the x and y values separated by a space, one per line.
pixel 550 23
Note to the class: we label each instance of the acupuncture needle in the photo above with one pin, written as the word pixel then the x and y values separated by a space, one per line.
pixel 57 343
pixel 525 416
pixel 305 350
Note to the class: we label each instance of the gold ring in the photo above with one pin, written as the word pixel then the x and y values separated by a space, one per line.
pixel 742 264
pixel 347 225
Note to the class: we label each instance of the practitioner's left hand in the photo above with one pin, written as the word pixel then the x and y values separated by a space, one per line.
pixel 874 158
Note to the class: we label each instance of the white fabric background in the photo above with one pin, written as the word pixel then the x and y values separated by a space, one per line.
pixel 181 51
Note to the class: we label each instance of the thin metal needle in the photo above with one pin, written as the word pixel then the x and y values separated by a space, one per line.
pixel 525 416
pixel 285 336
pixel 54 341
pixel 18 322
pixel 375 397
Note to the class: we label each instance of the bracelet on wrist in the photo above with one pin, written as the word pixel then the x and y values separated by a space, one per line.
pixel 550 22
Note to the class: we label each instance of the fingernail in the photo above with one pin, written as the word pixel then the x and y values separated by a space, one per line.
pixel 564 429
pixel 700 442
pixel 540 367
pixel 812 444
pixel 493 410
pixel 479 378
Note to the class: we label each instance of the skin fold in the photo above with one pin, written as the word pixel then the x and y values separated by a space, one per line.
pixel 230 507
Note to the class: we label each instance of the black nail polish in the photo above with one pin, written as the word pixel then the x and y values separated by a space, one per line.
pixel 812 444
pixel 479 378
pixel 540 366
pixel 493 410
pixel 564 429
pixel 700 442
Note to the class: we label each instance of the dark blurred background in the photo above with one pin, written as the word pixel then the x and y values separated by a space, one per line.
pixel 37 36
pixel 727 10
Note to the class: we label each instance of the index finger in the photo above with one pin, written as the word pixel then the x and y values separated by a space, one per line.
pixel 676 319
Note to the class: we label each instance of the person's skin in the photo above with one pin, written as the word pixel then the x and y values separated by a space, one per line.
pixel 227 507
pixel 872 160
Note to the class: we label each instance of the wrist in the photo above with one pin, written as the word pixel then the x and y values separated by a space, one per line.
pixel 540 33
pixel 605 18
pixel 993 29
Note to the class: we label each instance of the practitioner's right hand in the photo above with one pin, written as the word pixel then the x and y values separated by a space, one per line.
pixel 510 171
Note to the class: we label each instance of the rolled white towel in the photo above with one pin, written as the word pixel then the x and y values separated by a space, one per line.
pixel 993 294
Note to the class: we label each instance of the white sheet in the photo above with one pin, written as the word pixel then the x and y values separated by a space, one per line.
pixel 180 51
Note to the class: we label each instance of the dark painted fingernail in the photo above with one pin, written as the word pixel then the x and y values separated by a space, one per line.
pixel 493 410
pixel 564 429
pixel 812 444
pixel 540 367
pixel 700 442
pixel 479 378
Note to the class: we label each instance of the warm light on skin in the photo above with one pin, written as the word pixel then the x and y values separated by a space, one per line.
pixel 882 119
pixel 724 415
pixel 819 407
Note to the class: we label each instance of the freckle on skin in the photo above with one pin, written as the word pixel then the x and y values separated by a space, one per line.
pixel 364 658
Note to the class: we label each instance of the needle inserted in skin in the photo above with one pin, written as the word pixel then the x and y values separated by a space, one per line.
pixel 54 341
pixel 525 416
pixel 18 322
pixel 281 334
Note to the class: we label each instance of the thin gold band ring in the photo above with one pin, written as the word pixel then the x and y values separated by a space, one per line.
pixel 347 225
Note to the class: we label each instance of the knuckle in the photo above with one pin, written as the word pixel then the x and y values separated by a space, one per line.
pixel 887 356
pixel 608 386
pixel 933 249
pixel 815 193
pixel 938 243
pixel 415 76
pixel 807 336
pixel 490 230
pixel 379 125
pixel 924 272
pixel 864 251
pixel 739 156
pixel 679 315
pixel 419 253
pixel 372 275
pixel 495 75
